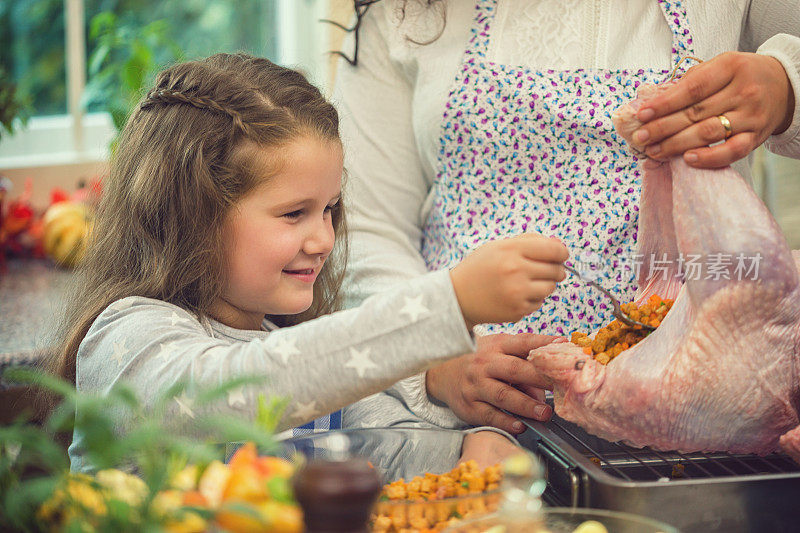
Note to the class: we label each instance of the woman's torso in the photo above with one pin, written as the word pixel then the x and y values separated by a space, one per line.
pixel 628 34
pixel 537 44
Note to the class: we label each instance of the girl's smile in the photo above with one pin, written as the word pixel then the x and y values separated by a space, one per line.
pixel 306 275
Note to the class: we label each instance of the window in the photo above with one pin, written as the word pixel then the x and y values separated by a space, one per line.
pixel 46 46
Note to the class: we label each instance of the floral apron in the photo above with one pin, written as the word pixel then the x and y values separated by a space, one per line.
pixel 526 150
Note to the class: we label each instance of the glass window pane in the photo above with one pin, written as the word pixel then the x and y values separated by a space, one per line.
pixel 197 27
pixel 32 52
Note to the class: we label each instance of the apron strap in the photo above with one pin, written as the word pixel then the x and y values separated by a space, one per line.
pixel 673 10
pixel 678 21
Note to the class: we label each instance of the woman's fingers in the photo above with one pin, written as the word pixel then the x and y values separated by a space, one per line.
pixel 504 396
pixel 489 415
pixel 723 154
pixel 752 91
pixel 699 135
pixel 662 128
pixel 696 85
pixel 507 398
pixel 536 393
pixel 521 344
pixel 514 370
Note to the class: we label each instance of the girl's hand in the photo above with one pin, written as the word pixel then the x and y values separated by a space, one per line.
pixel 751 90
pixel 486 448
pixel 478 386
pixel 504 280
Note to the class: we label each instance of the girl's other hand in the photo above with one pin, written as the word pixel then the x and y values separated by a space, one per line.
pixel 486 448
pixel 505 280
pixel 478 386
pixel 751 90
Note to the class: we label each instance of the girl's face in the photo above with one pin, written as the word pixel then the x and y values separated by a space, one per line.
pixel 280 234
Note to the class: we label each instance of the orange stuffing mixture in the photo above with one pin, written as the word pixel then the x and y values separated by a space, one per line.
pixel 617 337
pixel 423 504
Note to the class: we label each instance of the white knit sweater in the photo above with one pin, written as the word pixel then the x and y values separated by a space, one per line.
pixel 392 103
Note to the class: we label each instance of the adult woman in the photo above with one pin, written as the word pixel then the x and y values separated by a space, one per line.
pixel 500 124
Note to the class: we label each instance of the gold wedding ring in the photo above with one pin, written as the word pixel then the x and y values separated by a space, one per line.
pixel 726 124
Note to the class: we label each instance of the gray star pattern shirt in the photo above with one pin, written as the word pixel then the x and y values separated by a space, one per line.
pixel 321 365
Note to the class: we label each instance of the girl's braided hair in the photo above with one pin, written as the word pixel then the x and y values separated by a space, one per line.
pixel 190 150
pixel 167 96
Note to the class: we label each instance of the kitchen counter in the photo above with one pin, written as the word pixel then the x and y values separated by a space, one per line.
pixel 31 295
pixel 31 292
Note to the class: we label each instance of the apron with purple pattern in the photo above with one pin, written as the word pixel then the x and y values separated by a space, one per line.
pixel 524 150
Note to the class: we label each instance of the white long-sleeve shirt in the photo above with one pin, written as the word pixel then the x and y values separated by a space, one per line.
pixel 319 366
pixel 393 102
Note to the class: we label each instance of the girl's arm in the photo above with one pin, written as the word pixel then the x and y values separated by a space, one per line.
pixel 320 366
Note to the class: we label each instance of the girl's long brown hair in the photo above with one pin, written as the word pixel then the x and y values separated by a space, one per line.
pixel 177 171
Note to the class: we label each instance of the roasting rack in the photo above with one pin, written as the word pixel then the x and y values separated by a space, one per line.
pixel 694 492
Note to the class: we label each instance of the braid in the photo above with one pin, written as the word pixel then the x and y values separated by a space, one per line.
pixel 168 96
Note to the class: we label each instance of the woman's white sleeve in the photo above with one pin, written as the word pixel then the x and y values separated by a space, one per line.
pixel 772 28
pixel 386 187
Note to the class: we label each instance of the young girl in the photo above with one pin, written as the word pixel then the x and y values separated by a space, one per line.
pixel 217 253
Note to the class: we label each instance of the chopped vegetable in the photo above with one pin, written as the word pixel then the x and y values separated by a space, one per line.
pixel 617 337
pixel 424 505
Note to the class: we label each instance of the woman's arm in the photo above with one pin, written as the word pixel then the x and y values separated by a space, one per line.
pixel 772 28
pixel 786 49
pixel 386 187
pixel 387 190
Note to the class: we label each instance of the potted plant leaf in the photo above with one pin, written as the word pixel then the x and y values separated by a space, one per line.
pixel 179 483
pixel 124 61
pixel 13 106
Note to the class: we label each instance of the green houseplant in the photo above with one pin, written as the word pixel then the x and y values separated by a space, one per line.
pixel 125 59
pixel 12 104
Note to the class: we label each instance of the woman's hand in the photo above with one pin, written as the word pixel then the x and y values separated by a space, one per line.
pixel 751 90
pixel 498 376
pixel 507 279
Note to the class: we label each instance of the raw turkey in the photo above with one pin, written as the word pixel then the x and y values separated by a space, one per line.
pixel 722 372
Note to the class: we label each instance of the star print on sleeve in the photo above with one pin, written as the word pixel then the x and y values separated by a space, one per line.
pixel 285 348
pixel 306 411
pixel 178 319
pixel 185 403
pixel 414 308
pixel 236 397
pixel 120 351
pixel 360 361
pixel 166 351
pixel 121 305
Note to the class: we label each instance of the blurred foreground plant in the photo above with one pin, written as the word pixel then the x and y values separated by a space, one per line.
pixel 181 484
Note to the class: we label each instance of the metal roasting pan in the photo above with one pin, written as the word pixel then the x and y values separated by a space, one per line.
pixel 697 492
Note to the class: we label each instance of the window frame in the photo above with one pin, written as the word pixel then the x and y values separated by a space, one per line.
pixel 80 137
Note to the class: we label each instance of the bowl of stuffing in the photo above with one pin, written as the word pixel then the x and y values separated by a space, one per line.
pixel 426 483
